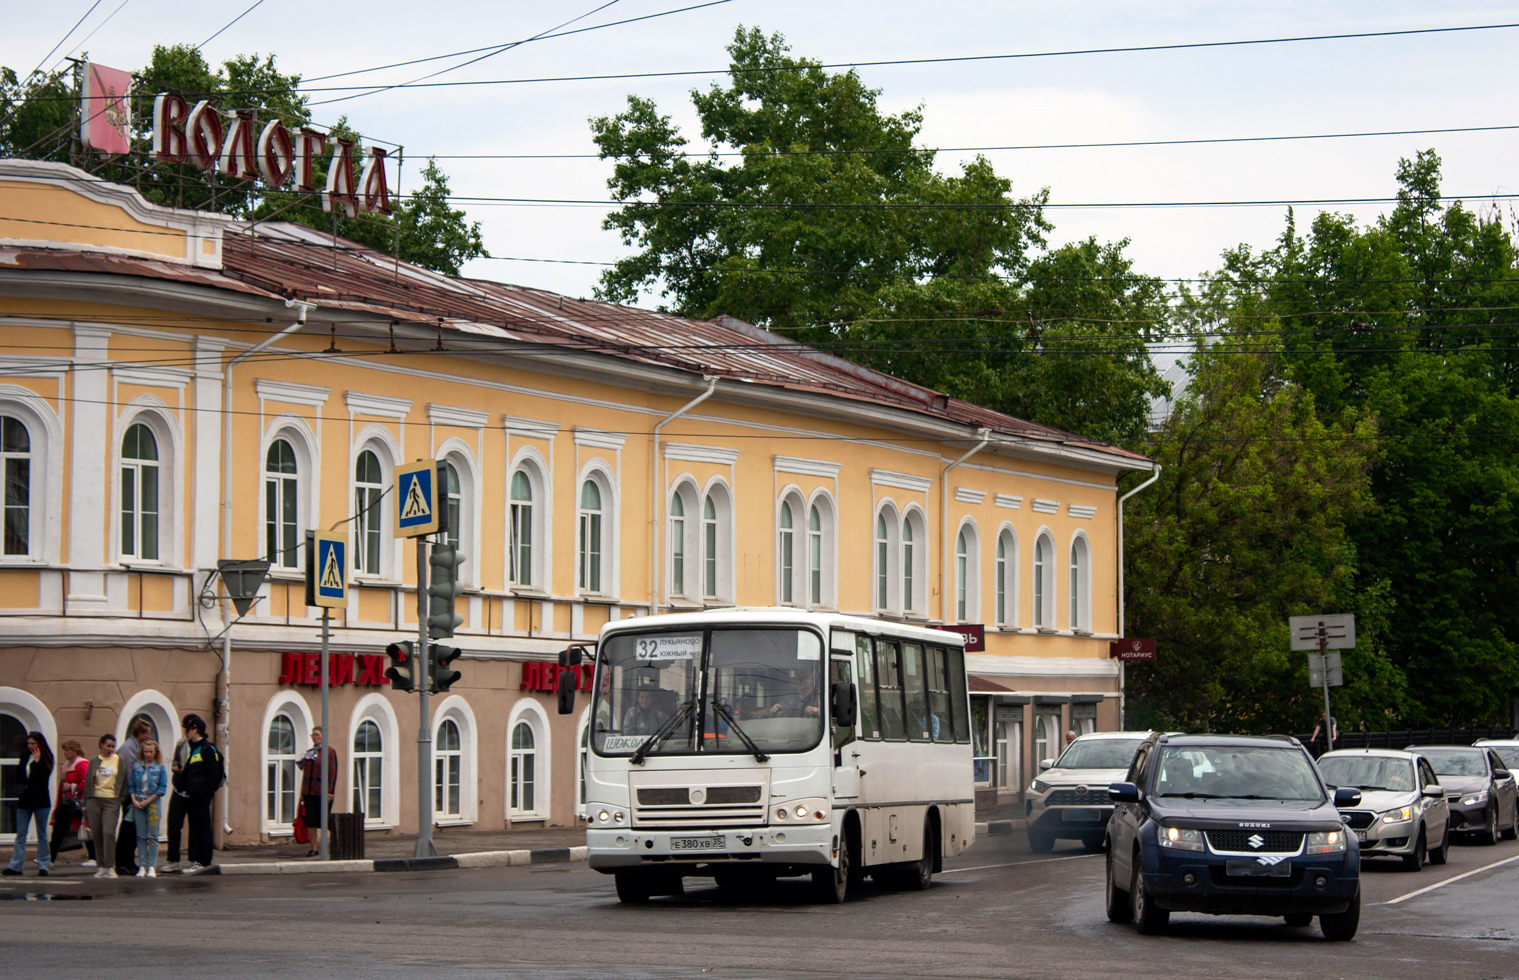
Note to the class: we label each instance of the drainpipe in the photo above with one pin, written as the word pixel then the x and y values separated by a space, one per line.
pixel 1154 475
pixel 224 696
pixel 656 498
pixel 944 545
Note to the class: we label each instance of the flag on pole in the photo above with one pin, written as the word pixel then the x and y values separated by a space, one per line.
pixel 104 114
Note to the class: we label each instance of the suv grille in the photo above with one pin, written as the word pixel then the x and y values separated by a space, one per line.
pixel 1358 819
pixel 1272 841
pixel 1094 796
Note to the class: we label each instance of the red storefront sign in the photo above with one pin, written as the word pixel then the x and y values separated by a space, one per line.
pixel 361 670
pixel 1133 649
pixel 545 677
pixel 974 633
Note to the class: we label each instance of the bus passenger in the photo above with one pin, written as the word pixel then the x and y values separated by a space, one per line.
pixel 643 718
pixel 928 724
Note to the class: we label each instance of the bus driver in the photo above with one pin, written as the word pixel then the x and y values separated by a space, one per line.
pixel 802 704
pixel 643 718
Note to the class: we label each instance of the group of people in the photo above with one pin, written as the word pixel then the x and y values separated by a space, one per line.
pixel 111 805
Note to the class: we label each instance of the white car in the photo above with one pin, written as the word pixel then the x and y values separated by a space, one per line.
pixel 1403 812
pixel 1070 800
pixel 1507 749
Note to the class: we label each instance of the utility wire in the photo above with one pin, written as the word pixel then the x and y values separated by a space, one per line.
pixel 86 39
pixel 65 37
pixel 228 24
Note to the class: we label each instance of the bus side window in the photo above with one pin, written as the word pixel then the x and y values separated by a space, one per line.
pixel 915 683
pixel 959 700
pixel 889 684
pixel 842 675
pixel 870 715
pixel 938 695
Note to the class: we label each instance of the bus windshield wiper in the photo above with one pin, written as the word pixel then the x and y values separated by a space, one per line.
pixel 662 732
pixel 734 727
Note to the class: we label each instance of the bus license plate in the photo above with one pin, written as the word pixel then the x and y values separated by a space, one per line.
pixel 698 843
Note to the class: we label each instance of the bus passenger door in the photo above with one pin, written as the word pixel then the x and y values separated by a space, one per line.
pixel 846 760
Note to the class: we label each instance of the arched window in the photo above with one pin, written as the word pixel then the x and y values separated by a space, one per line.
pixel 139 494
pixel 521 546
pixel 883 563
pixel 454 499
pixel 1007 579
pixel 524 768
pixel 787 554
pixel 591 518
pixel 1043 585
pixel 368 482
pixel 281 505
pixel 814 555
pixel 12 747
pixel 582 751
pixel 709 548
pixel 368 771
pixel 1080 610
pixel 280 784
pixel 16 458
pixel 909 565
pixel 677 545
pixel 448 756
pixel 962 568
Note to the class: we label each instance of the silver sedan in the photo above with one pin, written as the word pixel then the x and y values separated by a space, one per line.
pixel 1403 812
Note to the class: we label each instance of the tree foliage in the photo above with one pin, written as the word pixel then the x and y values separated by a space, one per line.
pixel 38 121
pixel 835 228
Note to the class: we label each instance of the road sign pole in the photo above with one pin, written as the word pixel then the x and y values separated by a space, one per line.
pixel 326 745
pixel 1324 666
pixel 425 846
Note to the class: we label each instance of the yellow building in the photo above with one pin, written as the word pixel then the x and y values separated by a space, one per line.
pixel 178 388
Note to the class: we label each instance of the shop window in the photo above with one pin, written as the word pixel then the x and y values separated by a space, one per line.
pixel 139 494
pixel 280 783
pixel 368 771
pixel 448 760
pixel 281 505
pixel 16 459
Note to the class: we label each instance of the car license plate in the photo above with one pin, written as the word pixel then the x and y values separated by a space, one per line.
pixel 698 843
pixel 1360 835
pixel 1080 816
pixel 1254 869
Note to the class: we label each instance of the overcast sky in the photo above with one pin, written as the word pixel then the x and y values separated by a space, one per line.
pixel 1417 82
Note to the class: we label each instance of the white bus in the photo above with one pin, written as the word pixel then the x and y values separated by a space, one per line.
pixel 750 743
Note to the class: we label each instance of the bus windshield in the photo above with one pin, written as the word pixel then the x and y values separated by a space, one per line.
pixel 704 690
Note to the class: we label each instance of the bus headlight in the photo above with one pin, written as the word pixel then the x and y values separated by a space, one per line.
pixel 607 817
pixel 802 811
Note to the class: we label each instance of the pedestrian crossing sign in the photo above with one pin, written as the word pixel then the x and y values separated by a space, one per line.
pixel 327 569
pixel 416 507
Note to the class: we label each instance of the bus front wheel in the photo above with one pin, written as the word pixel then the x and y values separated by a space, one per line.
pixel 830 885
pixel 633 887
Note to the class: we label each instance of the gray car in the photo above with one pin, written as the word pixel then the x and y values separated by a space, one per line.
pixel 1070 800
pixel 1480 790
pixel 1403 812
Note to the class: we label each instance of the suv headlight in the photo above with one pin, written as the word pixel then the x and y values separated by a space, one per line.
pixel 1399 815
pixel 1326 842
pixel 1474 799
pixel 1038 786
pixel 1181 838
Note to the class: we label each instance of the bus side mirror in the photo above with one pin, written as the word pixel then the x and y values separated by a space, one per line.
pixel 569 663
pixel 844 701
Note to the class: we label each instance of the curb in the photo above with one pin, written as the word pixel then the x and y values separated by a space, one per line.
pixel 479 859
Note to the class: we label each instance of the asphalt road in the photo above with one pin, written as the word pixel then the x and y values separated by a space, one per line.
pixel 997 911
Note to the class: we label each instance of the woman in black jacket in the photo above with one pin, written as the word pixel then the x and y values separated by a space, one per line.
pixel 33 803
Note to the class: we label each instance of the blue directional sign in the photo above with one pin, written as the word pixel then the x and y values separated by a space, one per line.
pixel 416 507
pixel 326 569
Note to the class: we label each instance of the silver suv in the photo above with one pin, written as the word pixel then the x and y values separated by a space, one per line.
pixel 1402 813
pixel 1069 800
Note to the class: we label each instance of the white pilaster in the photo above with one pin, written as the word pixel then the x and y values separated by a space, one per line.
pixel 89 478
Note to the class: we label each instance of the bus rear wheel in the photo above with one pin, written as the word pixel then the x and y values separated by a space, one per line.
pixel 916 877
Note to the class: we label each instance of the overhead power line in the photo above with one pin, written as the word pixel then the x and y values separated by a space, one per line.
pixel 43 60
pixel 228 24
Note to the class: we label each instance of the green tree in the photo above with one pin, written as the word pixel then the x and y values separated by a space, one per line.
pixel 836 229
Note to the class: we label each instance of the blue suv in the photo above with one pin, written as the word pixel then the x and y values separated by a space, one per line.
pixel 1231 825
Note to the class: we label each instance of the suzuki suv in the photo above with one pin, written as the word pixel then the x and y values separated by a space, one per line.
pixel 1231 825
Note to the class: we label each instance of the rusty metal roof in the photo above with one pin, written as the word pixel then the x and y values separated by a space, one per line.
pixel 285 261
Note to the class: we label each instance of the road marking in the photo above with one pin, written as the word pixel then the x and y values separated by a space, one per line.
pixel 1451 881
pixel 1015 864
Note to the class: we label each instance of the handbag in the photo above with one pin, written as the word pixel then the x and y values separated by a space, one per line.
pixel 302 836
pixel 84 830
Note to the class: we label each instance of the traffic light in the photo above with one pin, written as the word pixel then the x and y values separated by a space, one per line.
pixel 402 670
pixel 569 672
pixel 439 674
pixel 442 589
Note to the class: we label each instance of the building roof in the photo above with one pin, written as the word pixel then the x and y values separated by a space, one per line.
pixel 281 261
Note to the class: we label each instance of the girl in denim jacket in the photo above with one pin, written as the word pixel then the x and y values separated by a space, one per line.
pixel 150 781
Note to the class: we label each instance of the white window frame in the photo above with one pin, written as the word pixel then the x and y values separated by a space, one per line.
pixel 374 707
pixel 582 748
pixel 449 764
pixel 529 712
pixel 1079 584
pixel 456 453
pixel 28 456
pixel 688 555
pixel 826 554
pixel 531 465
pixel 1045 595
pixel 968 580
pixel 916 603
pixel 45 431
pixel 163 511
pixel 297 433
pixel 454 708
pixel 600 473
pixel 292 705
pixel 287 493
pixel 1005 570
pixel 34 716
pixel 717 543
pixel 790 581
pixel 887 549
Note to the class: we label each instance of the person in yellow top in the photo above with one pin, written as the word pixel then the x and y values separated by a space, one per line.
pixel 102 802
